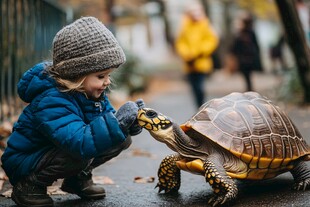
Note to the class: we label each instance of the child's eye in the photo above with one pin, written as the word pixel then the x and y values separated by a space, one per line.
pixel 102 76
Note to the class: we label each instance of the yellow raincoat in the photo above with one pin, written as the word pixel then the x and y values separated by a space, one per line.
pixel 196 42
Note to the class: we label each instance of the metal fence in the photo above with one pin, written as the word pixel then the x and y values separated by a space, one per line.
pixel 27 31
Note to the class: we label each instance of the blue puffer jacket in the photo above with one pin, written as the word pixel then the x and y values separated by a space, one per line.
pixel 68 121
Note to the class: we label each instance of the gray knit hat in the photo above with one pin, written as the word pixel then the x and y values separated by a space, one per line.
pixel 84 47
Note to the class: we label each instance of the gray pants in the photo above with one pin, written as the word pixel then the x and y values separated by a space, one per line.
pixel 57 164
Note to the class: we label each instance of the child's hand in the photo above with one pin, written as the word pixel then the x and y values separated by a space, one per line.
pixel 135 128
pixel 127 115
pixel 140 103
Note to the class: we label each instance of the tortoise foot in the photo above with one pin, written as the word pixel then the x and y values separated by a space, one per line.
pixel 169 176
pixel 167 188
pixel 223 186
pixel 301 174
pixel 223 198
pixel 302 184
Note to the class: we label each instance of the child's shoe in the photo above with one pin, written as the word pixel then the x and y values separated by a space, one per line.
pixel 83 186
pixel 27 193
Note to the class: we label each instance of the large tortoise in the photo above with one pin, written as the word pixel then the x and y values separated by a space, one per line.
pixel 239 136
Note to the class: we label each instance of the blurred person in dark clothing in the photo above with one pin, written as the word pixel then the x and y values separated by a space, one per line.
pixel 276 55
pixel 246 49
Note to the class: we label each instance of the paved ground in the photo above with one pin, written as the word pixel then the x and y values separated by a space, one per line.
pixel 145 154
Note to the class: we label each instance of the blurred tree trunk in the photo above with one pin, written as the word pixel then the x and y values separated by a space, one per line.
pixel 227 34
pixel 163 14
pixel 296 40
pixel 109 6
pixel 110 16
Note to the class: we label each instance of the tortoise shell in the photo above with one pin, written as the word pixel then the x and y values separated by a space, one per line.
pixel 252 128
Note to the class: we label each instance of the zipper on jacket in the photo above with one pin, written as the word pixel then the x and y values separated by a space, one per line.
pixel 98 104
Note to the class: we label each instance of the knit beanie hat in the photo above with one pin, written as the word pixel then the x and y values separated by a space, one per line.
pixel 85 46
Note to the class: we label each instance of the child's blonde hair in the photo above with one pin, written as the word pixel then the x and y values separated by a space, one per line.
pixel 69 85
pixel 66 85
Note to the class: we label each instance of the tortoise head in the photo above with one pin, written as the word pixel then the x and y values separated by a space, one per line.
pixel 159 125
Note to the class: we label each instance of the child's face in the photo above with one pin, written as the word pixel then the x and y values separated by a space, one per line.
pixel 95 83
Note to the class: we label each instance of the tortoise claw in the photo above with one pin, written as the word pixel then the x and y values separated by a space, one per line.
pixel 212 201
pixel 216 201
pixel 159 188
pixel 166 188
pixel 302 184
pixel 219 200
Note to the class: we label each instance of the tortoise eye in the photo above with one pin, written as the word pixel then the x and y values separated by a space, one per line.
pixel 151 114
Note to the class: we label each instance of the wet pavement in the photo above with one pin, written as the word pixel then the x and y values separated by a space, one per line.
pixel 145 154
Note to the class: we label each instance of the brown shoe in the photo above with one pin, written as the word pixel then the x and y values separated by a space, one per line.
pixel 28 194
pixel 83 186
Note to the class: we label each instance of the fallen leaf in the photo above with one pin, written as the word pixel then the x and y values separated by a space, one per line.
pixel 142 153
pixel 104 180
pixel 55 190
pixel 7 193
pixel 1 184
pixel 2 145
pixel 149 179
pixel 3 175
pixel 5 129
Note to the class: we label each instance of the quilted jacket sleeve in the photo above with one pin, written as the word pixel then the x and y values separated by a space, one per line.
pixel 60 121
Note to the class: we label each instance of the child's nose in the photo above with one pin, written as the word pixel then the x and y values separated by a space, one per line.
pixel 107 82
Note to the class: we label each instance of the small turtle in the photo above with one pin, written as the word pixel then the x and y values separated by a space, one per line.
pixel 239 136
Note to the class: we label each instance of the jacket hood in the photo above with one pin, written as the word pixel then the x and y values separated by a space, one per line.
pixel 34 82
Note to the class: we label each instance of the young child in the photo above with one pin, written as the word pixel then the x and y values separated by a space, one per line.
pixel 69 126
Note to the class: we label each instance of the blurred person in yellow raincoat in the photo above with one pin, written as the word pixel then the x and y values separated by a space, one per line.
pixel 195 43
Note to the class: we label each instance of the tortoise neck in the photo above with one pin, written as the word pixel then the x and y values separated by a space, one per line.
pixel 180 134
pixel 183 142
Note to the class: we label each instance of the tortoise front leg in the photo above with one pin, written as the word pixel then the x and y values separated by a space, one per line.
pixel 169 176
pixel 223 186
pixel 301 174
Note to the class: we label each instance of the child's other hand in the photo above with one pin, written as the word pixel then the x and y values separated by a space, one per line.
pixel 135 128
pixel 127 116
pixel 140 103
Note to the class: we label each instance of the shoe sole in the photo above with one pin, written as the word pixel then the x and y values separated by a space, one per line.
pixel 92 197
pixel 86 197
pixel 83 196
pixel 15 199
